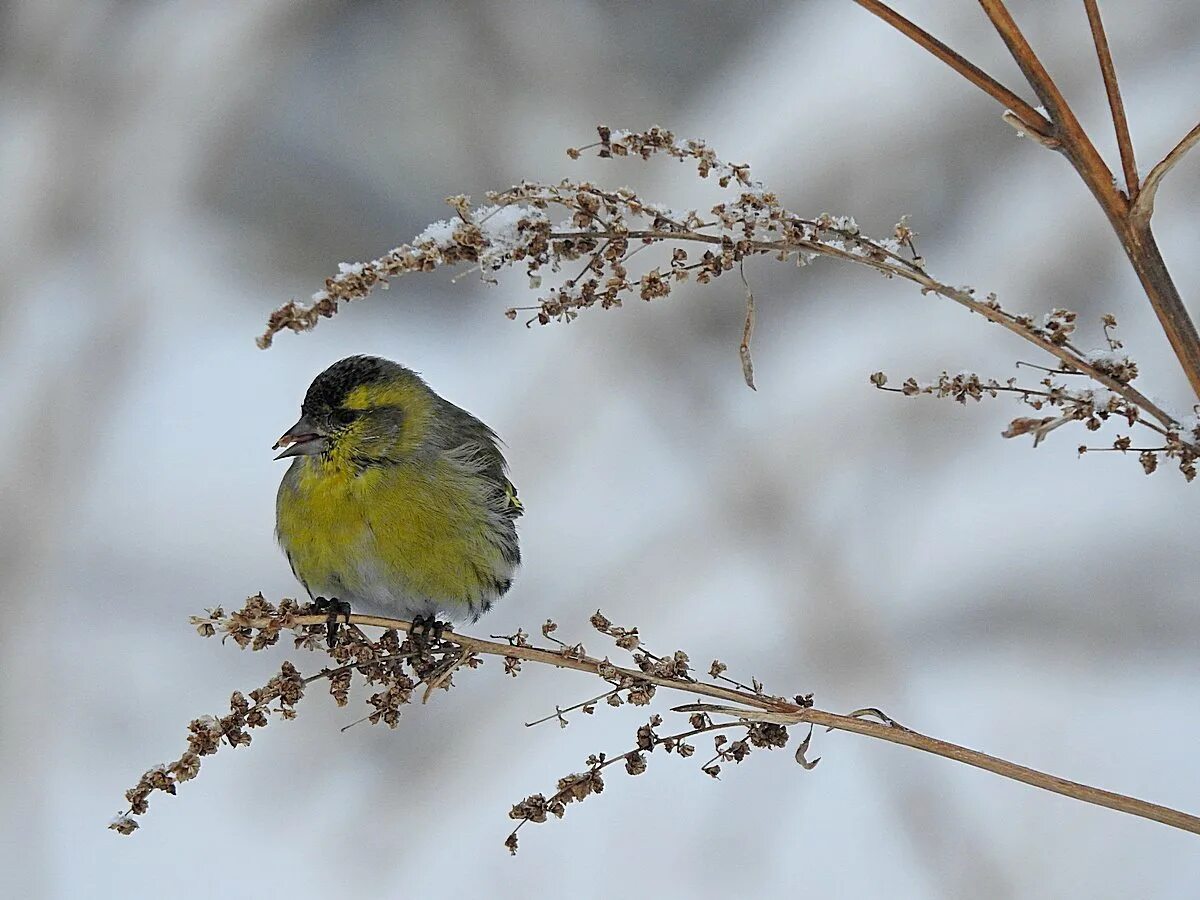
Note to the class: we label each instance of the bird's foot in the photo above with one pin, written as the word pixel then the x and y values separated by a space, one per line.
pixel 426 630
pixel 335 608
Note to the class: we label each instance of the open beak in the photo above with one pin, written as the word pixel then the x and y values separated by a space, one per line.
pixel 302 439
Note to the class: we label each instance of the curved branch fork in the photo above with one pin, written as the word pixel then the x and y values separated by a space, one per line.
pixel 397 667
pixel 1128 212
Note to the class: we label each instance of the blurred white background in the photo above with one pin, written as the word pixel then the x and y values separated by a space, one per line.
pixel 171 172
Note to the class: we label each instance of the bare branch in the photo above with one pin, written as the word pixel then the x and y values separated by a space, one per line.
pixel 1031 120
pixel 1075 142
pixel 1134 232
pixel 1064 133
pixel 1115 104
pixel 1142 249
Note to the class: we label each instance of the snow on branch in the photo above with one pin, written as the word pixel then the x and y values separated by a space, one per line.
pixel 546 228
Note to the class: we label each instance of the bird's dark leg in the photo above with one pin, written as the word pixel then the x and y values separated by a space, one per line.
pixel 335 608
pixel 427 629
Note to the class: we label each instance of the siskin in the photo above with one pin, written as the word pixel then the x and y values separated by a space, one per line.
pixel 396 501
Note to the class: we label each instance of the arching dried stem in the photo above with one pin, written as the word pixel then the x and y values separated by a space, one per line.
pixel 388 662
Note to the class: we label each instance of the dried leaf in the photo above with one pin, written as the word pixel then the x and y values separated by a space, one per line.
pixel 802 750
pixel 747 333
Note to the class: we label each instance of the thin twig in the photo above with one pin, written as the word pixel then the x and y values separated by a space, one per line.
pixel 560 710
pixel 930 285
pixel 1115 104
pixel 798 714
pixel 1030 118
pixel 1032 392
pixel 608 760
pixel 443 674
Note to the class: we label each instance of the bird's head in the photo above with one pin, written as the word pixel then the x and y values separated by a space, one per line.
pixel 361 409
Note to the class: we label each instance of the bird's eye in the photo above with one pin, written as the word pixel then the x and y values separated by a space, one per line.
pixel 343 416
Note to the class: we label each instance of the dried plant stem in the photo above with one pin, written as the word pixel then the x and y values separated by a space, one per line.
pixel 1113 90
pixel 1136 237
pixel 1142 250
pixel 1029 117
pixel 1073 789
pixel 762 707
pixel 1076 144
pixel 929 285
pixel 1130 221
pixel 1131 394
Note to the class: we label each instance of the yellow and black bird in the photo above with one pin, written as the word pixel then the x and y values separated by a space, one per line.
pixel 397 502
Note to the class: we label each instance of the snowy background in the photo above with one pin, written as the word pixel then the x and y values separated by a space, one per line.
pixel 171 172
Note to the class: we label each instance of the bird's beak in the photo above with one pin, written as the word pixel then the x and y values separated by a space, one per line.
pixel 302 439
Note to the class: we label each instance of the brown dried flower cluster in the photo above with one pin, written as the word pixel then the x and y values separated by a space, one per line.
pixel 395 667
pixel 1088 404
pixel 604 229
pixel 399 665
pixel 392 666
pixel 674 667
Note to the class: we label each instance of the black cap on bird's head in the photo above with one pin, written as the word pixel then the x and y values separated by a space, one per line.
pixel 324 412
pixel 329 389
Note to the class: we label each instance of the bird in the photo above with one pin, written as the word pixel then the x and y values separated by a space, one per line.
pixel 397 502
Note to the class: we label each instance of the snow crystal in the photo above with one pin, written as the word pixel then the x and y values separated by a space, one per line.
pixel 499 224
pixel 675 215
pixel 440 234
pixel 345 269
pixel 1110 358
pixel 500 227
pixel 850 248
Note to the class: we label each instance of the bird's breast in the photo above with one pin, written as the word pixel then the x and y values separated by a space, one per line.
pixel 394 535
pixel 322 523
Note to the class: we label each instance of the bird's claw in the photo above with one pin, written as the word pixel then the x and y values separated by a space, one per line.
pixel 426 630
pixel 334 608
